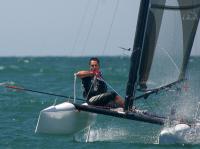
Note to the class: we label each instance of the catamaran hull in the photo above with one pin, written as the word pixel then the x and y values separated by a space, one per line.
pixel 63 119
pixel 179 134
pixel 173 134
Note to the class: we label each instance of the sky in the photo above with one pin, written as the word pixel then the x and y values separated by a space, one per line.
pixel 68 27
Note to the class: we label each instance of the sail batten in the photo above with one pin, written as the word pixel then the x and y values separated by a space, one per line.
pixel 156 90
pixel 178 8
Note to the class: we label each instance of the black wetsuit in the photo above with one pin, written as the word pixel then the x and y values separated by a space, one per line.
pixel 95 91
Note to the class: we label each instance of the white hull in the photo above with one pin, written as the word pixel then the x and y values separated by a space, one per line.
pixel 63 119
pixel 180 134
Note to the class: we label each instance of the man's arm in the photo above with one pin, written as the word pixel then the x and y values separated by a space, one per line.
pixel 84 73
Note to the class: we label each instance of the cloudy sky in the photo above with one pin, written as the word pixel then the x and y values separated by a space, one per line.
pixel 68 27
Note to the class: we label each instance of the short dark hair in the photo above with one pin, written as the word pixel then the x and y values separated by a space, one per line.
pixel 94 59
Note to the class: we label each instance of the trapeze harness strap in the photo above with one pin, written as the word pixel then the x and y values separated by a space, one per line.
pixel 110 86
pixel 95 84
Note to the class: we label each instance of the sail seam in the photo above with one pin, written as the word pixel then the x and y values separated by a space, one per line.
pixel 171 59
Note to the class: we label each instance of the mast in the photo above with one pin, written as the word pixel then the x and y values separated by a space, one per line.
pixel 136 54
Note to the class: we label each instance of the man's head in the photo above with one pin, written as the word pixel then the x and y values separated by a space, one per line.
pixel 94 63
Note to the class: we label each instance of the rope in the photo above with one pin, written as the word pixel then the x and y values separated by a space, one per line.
pixel 40 92
pixel 75 78
pixel 110 87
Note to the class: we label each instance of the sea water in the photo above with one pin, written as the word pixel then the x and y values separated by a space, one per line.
pixel 19 110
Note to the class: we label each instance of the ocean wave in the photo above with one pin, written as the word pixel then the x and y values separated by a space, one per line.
pixel 2 68
pixel 14 67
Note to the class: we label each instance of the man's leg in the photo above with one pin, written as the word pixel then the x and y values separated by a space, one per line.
pixel 119 101
pixel 102 99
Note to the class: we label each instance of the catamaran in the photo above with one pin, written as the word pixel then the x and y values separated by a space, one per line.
pixel 163 41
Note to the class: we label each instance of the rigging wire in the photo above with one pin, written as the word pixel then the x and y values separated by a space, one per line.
pixel 80 25
pixel 111 25
pixel 110 86
pixel 90 27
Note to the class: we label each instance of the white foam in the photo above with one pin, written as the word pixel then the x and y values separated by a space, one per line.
pixel 102 134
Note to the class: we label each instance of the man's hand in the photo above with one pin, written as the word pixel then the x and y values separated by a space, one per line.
pixel 97 73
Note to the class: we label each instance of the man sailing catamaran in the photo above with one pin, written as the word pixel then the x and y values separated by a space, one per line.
pixel 95 88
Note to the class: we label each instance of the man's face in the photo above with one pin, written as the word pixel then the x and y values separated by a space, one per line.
pixel 94 65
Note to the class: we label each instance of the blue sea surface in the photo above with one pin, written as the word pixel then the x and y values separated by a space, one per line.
pixel 19 109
